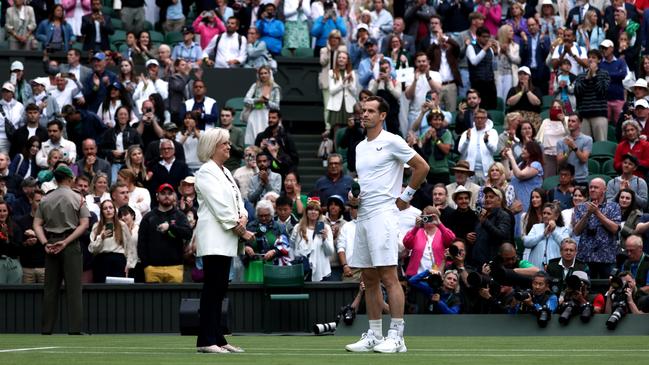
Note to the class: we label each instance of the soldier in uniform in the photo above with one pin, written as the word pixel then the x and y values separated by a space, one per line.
pixel 60 219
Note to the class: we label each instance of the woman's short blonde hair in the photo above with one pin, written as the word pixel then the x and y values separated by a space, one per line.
pixel 209 140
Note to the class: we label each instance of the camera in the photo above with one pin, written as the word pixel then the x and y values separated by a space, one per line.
pixel 426 218
pixel 324 328
pixel 148 110
pixel 347 314
pixel 453 251
pixel 619 305
pixel 435 281
pixel 522 295
pixel 543 316
pixel 570 307
pixel 328 4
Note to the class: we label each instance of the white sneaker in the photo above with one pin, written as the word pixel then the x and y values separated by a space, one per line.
pixel 391 344
pixel 367 343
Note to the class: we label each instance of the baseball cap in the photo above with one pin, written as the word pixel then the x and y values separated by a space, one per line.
pixel 362 26
pixel 582 276
pixel 640 83
pixel 17 65
pixel 99 56
pixel 170 126
pixel 189 180
pixel 489 189
pixel 188 29
pixel 9 87
pixel 525 69
pixel 370 42
pixel 336 199
pixel 643 103
pixel 29 182
pixel 152 62
pixel 606 43
pixel 165 186
pixel 38 81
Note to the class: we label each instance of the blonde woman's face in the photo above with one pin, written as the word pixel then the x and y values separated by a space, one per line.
pixel 494 174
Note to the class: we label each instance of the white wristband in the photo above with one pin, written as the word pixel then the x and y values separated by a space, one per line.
pixel 407 194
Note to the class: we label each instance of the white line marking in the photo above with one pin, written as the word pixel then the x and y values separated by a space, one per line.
pixel 30 349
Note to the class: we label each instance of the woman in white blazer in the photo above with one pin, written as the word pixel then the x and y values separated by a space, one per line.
pixel 342 93
pixel 222 220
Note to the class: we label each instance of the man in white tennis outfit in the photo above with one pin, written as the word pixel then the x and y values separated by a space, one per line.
pixel 379 163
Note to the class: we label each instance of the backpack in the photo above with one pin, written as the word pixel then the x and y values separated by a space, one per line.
pixel 216 46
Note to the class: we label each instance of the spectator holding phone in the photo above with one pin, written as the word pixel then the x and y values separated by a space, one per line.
pixel 312 242
pixel 111 243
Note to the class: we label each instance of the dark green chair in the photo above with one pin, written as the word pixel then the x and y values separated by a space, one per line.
pixel 157 38
pixel 550 182
pixel 603 150
pixel 497 116
pixel 547 101
pixel 117 23
pixel 281 284
pixel 235 103
pixel 340 133
pixel 608 169
pixel 611 134
pixel 173 38
pixel 500 104
pixel 118 38
pixel 593 166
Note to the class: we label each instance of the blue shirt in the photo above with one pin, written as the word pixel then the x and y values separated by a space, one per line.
pixel 175 11
pixel 191 54
pixel 617 71
pixel 325 187
pixel 597 244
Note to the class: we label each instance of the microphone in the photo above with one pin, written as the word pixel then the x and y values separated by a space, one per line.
pixel 356 189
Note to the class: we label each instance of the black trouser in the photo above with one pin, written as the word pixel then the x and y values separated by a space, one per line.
pixel 216 270
pixel 108 264
pixel 488 94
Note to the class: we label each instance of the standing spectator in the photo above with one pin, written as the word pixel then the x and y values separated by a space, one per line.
pixel 335 182
pixel 32 253
pixel 116 97
pixel 54 33
pixel 342 88
pixel 357 50
pixel 271 29
pixel 528 175
pixel 226 50
pixel 276 134
pixel 264 181
pixel 323 25
pixel 525 98
pixel 597 222
pixel 236 139
pixel 424 81
pixel 20 24
pixel 534 51
pixel 437 144
pixel 74 12
pixel 575 149
pixel 549 20
pixel 11 111
pixel 552 130
pixel 263 95
pixel 462 171
pixel 149 85
pixel 257 52
pixel 463 220
pixel 427 242
pixel 48 107
pixel 455 14
pixel 204 109
pixel 417 15
pixel 497 178
pixel 171 16
pixel 312 241
pixel 143 50
pixel 296 13
pixel 23 90
pixel 97 192
pixel 244 174
pixel 444 55
pixel 465 39
pixel 96 28
pixel 56 141
pixel 24 164
pixel 207 25
pixel 508 59
pixel 589 33
pixel 382 21
pixel 188 136
pixel 81 124
pixel 567 49
pixel 11 238
pixel 95 87
pixel 161 239
pixel 179 88
pixel 111 244
pixel 138 197
pixel 492 12
pixel 90 164
pixel 132 15
pixel 494 228
pixel 478 145
pixel 628 180
pixel 481 73
pixel 74 67
pixel 544 238
pixel 117 140
pixel 398 30
pixel 517 20
pixel 617 71
pixel 60 220
pixel 188 50
pixel 134 160
pixel 168 170
pixel 328 56
pixel 591 91
pixel 19 140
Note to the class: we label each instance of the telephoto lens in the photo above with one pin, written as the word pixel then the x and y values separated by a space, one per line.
pixel 586 313
pixel 565 316
pixel 324 328
pixel 543 317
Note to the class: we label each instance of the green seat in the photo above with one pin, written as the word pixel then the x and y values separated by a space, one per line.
pixel 550 182
pixel 593 166
pixel 118 38
pixel 497 116
pixel 545 114
pixel 157 37
pixel 603 150
pixel 298 52
pixel 235 103
pixel 172 38
pixel 500 104
pixel 611 134
pixel 283 283
pixel 608 169
pixel 340 133
pixel 148 26
pixel 117 23
pixel 547 101
pixel 107 10
pixel 606 178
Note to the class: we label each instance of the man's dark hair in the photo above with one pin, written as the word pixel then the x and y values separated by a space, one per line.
pixel 436 17
pixel 31 106
pixel 482 30
pixel 235 18
pixel 229 109
pixel 543 275
pixel 568 167
pixel 55 122
pixel 472 91
pixel 283 201
pixel 596 53
pixel 384 107
pixel 275 111
pixel 61 176
pixel 75 51
pixel 82 177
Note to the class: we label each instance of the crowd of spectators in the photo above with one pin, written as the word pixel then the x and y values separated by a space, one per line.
pixel 510 103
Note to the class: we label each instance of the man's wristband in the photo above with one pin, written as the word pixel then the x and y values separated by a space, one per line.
pixel 575 149
pixel 407 194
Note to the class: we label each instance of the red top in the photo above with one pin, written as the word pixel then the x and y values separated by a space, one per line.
pixel 640 150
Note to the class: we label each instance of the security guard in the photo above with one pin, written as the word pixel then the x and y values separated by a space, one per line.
pixel 60 219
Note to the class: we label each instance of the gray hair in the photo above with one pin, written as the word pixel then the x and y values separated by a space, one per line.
pixel 165 140
pixel 632 123
pixel 265 204
pixel 209 140
pixel 633 240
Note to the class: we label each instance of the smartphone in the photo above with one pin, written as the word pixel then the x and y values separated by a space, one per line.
pixel 109 226
pixel 318 227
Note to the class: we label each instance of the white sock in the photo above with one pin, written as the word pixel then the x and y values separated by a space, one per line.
pixel 398 325
pixel 376 325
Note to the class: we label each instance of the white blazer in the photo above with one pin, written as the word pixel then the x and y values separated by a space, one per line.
pixel 338 90
pixel 220 206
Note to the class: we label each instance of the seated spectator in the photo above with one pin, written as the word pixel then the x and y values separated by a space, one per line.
pixel 270 29
pixel 226 50
pixel 188 50
pixel 110 243
pixel 20 24
pixel 187 200
pixel 632 144
pixel 244 174
pixel 544 238
pixel 628 180
pixel 32 254
pixel 55 33
pixel 168 170
pixel 188 136
pixel 563 192
pixel 263 95
pixel 11 239
pixel 169 131
pixel 293 191
pixel 463 220
pixel 207 25
pixel 636 263
pixel 161 239
pixel 631 214
pixel 312 243
pixel 115 142
pixel 284 214
pixel 335 182
pixel 134 160
pixel 150 125
pixel 12 109
pixel 276 131
pixel 561 267
pixel 444 300
pixel 497 178
pixel 143 50
pixel 264 181
pixel 493 229
pixel 56 141
pixel 98 192
pixel 116 97
pixel 462 171
pixel 525 98
pixel 440 201
pixel 96 28
pixel 48 106
pixel 90 164
pixel 32 128
pixel 478 144
pixel 271 240
pixel 204 109
pixel 138 197
pixel 334 219
pixel 24 163
pixel 427 242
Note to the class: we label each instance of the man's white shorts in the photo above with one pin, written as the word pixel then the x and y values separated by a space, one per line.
pixel 377 240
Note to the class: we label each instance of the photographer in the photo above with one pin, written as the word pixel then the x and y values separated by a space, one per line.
pixel 428 241
pixel 539 301
pixel 574 299
pixel 637 262
pixel 622 296
pixel 271 241
pixel 444 291
pixel 207 25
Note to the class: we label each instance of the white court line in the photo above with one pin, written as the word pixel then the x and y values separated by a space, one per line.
pixel 30 349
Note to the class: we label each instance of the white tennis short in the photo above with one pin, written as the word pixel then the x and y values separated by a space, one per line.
pixel 377 242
